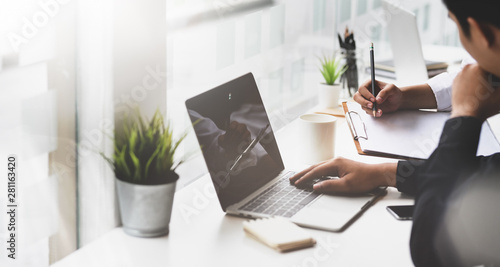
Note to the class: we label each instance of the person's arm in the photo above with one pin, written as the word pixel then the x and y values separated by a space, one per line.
pixel 441 84
pixel 355 177
pixel 407 174
pixel 418 96
pixel 436 93
pixel 453 161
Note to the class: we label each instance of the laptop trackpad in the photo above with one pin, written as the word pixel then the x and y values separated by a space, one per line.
pixel 331 212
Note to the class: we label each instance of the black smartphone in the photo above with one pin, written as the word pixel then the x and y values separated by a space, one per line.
pixel 401 212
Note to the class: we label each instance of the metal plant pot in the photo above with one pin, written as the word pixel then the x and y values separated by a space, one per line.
pixel 145 209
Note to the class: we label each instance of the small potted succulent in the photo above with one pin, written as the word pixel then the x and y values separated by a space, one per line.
pixel 329 91
pixel 144 166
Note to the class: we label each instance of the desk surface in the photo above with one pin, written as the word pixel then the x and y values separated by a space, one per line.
pixel 202 235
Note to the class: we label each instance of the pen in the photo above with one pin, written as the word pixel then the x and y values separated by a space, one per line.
pixel 250 147
pixel 373 78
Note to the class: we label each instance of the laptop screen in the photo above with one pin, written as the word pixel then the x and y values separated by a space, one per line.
pixel 236 138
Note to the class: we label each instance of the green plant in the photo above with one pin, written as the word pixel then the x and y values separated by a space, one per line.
pixel 144 152
pixel 331 69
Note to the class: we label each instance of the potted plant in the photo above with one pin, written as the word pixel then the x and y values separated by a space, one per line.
pixel 329 91
pixel 144 166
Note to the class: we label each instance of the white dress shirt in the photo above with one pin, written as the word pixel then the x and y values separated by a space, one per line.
pixel 441 85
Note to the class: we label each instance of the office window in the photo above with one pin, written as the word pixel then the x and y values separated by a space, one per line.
pixel 297 79
pixel 419 18
pixel 225 44
pixel 319 14
pixel 427 11
pixel 253 33
pixel 362 7
pixel 182 13
pixel 345 10
pixel 275 89
pixel 37 126
pixel 376 33
pixel 457 40
pixel 277 25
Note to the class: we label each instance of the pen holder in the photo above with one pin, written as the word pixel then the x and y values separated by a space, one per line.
pixel 350 78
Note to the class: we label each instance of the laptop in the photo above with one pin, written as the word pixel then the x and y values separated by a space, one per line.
pixel 406 46
pixel 245 164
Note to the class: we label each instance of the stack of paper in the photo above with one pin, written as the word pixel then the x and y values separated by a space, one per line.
pixel 278 233
pixel 387 69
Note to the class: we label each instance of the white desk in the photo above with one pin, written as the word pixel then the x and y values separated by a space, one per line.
pixel 202 235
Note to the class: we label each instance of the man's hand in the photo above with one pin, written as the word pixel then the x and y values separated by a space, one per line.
pixel 474 94
pixel 236 138
pixel 389 97
pixel 354 177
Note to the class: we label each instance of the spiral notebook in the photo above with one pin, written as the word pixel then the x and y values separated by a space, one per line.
pixel 406 134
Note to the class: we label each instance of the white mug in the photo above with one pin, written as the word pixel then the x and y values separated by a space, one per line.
pixel 316 138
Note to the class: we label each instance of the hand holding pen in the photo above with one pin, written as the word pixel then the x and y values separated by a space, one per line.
pixel 376 97
pixel 388 97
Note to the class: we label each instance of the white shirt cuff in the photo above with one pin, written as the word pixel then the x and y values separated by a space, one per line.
pixel 442 83
pixel 441 86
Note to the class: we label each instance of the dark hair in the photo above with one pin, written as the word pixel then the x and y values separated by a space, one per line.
pixel 487 11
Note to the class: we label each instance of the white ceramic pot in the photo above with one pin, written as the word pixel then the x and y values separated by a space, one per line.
pixel 328 95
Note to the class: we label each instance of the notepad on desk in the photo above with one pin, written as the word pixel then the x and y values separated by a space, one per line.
pixel 388 65
pixel 387 69
pixel 406 133
pixel 278 233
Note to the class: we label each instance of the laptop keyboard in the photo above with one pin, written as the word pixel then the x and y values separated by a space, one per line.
pixel 281 199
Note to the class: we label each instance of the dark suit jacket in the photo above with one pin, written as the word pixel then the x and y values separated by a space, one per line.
pixel 451 167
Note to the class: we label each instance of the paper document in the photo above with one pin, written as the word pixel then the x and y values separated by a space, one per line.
pixel 407 133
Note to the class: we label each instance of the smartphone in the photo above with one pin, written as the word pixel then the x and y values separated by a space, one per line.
pixel 401 212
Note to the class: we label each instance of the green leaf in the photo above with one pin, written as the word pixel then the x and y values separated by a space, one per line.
pixel 331 69
pixel 137 166
pixel 144 149
pixel 150 160
pixel 121 164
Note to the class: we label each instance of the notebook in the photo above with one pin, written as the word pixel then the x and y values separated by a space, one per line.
pixel 407 133
pixel 387 69
pixel 278 233
pixel 388 65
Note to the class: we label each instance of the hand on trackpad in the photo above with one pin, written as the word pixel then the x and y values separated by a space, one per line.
pixel 308 185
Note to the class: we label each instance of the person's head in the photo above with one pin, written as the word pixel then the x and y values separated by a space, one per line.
pixel 478 23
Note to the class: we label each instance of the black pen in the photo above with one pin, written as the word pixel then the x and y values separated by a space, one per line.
pixel 373 79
